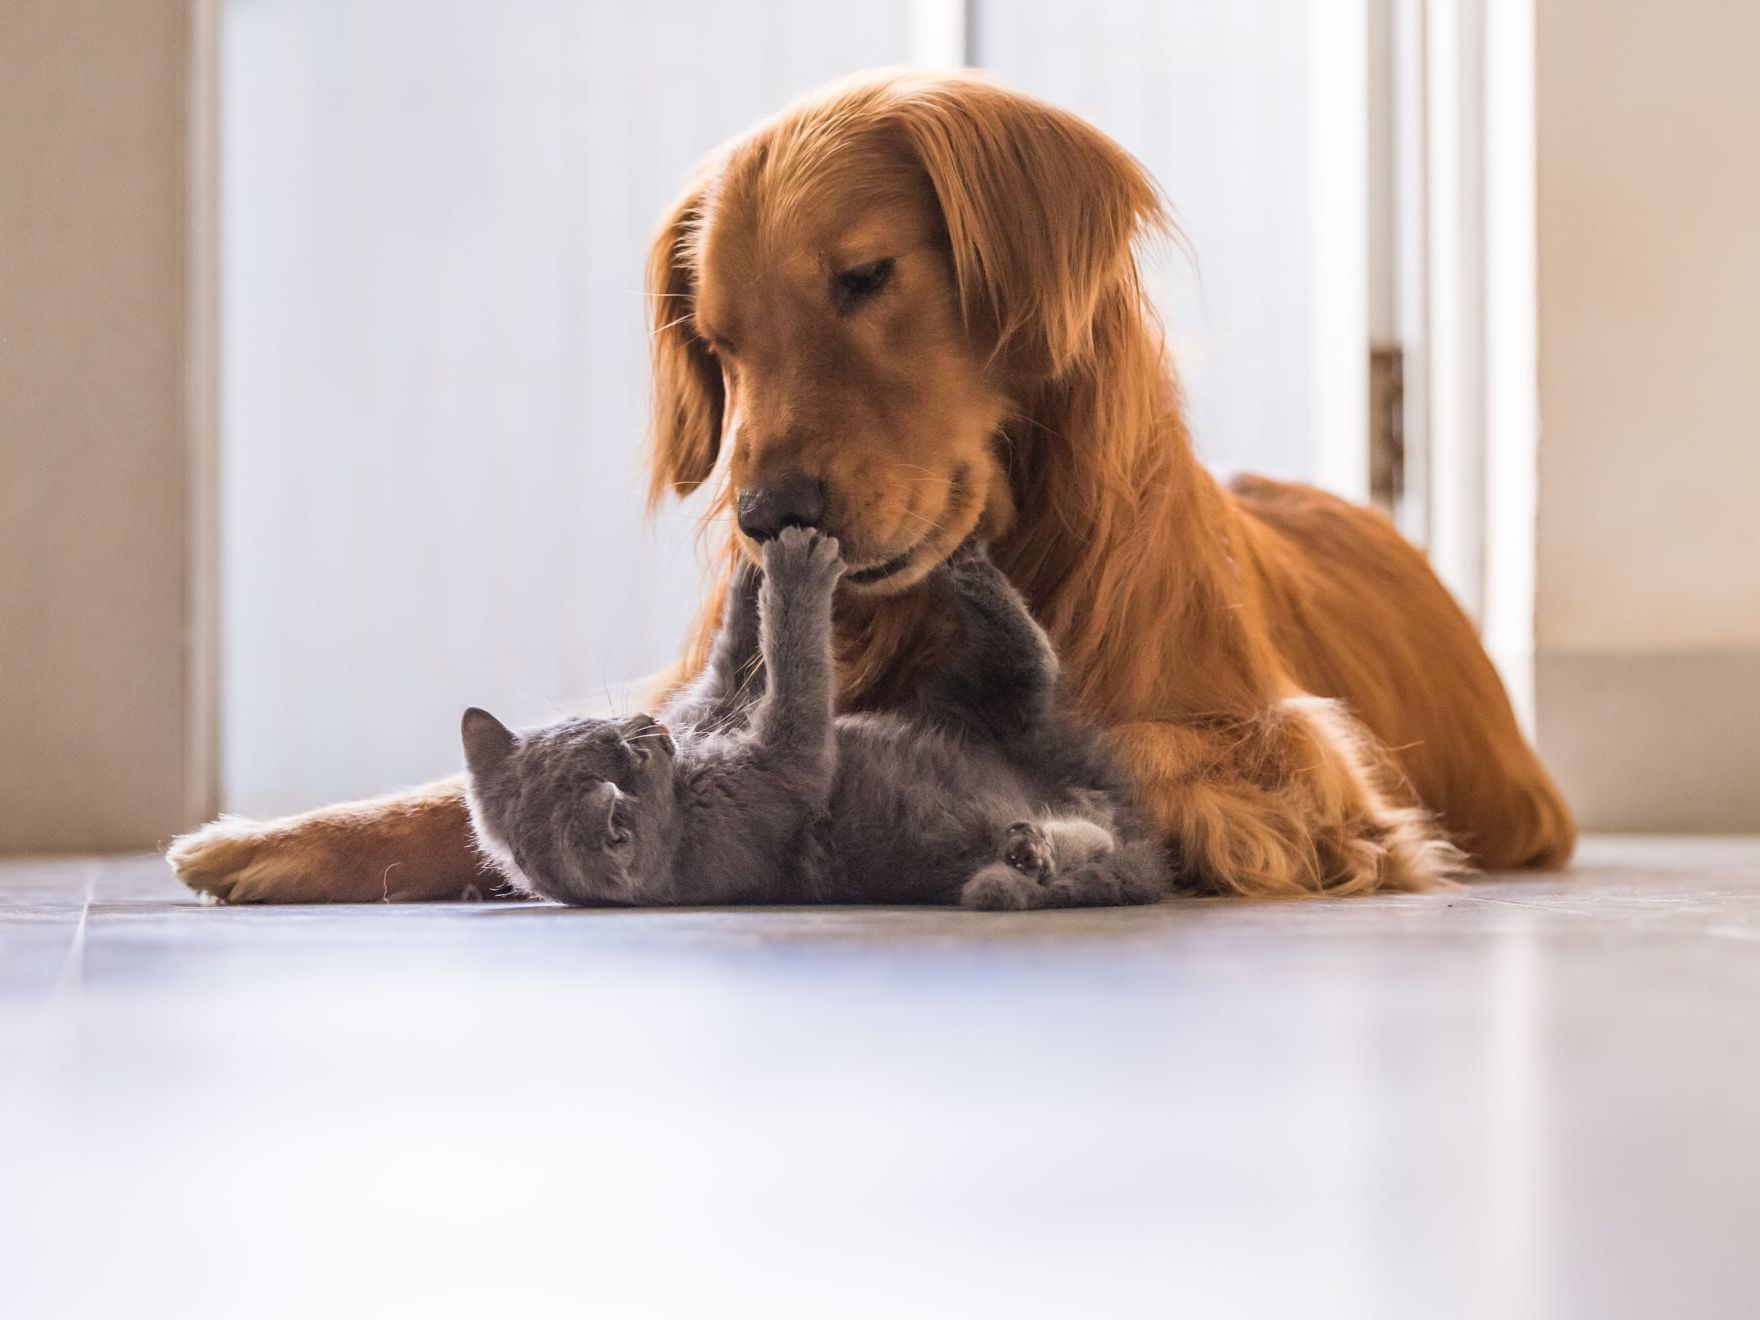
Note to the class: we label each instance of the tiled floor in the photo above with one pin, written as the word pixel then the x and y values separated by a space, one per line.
pixel 1533 1097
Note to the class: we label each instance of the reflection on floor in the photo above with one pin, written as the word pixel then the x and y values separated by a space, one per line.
pixel 1530 1097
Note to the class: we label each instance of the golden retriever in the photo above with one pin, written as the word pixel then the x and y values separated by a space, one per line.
pixel 907 310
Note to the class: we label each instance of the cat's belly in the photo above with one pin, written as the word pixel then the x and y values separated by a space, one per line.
pixel 914 813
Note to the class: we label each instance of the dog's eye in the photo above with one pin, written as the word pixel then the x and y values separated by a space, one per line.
pixel 855 286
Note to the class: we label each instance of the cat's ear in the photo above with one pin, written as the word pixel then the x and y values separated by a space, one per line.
pixel 487 741
pixel 600 812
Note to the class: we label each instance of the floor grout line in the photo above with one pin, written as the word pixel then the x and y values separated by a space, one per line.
pixel 73 966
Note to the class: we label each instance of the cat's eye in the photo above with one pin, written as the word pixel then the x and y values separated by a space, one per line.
pixel 860 284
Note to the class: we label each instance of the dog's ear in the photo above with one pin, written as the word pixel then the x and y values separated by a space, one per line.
pixel 1041 210
pixel 685 431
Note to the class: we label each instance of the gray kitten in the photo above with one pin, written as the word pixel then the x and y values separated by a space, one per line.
pixel 982 791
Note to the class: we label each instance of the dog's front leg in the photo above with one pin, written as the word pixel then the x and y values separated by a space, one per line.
pixel 407 846
pixel 1288 803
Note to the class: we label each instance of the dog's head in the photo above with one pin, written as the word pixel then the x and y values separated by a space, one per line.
pixel 854 299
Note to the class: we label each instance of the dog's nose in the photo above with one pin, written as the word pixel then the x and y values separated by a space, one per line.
pixel 794 500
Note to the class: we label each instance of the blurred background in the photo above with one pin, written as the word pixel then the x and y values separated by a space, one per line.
pixel 325 371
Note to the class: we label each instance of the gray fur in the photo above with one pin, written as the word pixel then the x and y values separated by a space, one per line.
pixel 983 791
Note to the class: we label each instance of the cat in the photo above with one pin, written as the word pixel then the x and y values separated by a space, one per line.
pixel 983 791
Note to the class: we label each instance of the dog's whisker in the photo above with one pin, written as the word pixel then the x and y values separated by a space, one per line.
pixel 926 521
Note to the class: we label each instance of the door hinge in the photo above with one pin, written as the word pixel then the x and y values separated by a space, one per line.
pixel 1387 427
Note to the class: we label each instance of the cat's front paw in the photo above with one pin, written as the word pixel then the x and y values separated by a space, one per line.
pixel 803 556
pixel 970 552
pixel 967 570
pixel 970 559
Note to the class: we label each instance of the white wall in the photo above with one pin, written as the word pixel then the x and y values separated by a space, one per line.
pixel 1648 610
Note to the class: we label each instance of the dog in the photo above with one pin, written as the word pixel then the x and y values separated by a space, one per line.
pixel 907 311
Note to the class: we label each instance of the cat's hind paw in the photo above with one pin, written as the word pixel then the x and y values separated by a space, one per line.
pixel 1027 849
pixel 998 887
pixel 1102 885
pixel 970 562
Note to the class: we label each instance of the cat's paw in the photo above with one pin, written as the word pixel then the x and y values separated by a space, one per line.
pixel 1102 884
pixel 1075 841
pixel 998 887
pixel 970 560
pixel 1028 850
pixel 970 551
pixel 800 556
pixel 969 574
pixel 1086 886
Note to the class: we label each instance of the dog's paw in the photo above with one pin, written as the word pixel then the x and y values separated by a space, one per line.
pixel 229 860
pixel 298 860
pixel 337 855
pixel 803 556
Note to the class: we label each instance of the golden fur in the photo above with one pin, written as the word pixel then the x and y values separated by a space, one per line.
pixel 1305 707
